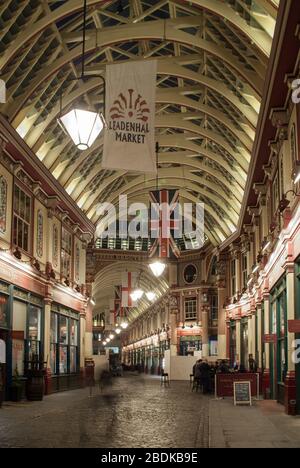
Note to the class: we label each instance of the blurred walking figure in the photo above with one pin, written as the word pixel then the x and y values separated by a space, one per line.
pixel 105 380
pixel 197 375
pixel 205 376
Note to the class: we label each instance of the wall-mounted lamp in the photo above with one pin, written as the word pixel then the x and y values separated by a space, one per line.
pixel 284 202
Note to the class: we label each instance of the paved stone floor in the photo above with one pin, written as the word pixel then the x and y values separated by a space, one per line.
pixel 263 425
pixel 137 412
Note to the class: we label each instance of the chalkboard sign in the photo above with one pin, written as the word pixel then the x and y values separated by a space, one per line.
pixel 242 393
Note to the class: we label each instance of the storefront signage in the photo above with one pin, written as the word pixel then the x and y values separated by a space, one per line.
pixel 269 338
pixel 294 326
pixel 242 393
pixel 21 279
pixel 195 331
pixel 67 300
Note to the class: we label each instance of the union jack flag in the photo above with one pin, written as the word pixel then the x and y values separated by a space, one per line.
pixel 165 223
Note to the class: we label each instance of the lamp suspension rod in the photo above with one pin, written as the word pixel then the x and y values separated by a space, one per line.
pixel 157 151
pixel 83 37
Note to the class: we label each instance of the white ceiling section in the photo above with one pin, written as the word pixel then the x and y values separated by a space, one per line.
pixel 212 59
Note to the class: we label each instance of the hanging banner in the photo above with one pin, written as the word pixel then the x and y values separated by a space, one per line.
pixel 128 286
pixel 129 140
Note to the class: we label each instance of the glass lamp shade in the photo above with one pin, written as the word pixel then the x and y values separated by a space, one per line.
pixel 150 296
pixel 118 331
pixel 124 324
pixel 136 294
pixel 157 268
pixel 82 126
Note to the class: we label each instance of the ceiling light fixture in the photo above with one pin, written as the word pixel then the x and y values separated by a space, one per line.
pixel 157 268
pixel 137 294
pixel 83 125
pixel 124 324
pixel 150 295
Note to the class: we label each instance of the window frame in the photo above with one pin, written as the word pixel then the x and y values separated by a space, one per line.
pixel 187 314
pixel 17 215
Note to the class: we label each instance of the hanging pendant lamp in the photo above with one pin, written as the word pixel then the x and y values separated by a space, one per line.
pixel 81 124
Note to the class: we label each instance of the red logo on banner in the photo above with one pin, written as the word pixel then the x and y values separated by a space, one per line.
pixel 130 105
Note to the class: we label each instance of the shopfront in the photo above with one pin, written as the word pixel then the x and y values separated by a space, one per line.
pixel 297 335
pixel 244 361
pixel 21 331
pixel 189 344
pixel 5 341
pixel 278 348
pixel 64 348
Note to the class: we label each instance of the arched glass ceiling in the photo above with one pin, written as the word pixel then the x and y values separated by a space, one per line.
pixel 212 60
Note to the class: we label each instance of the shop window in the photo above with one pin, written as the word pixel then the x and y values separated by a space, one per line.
pixel 3 311
pixel 232 343
pixel 73 345
pixel 66 253
pixel 34 332
pixel 189 344
pixel 244 343
pixel 22 219
pixel 64 344
pixel 190 308
pixel 53 342
pixel 19 335
pixel 278 352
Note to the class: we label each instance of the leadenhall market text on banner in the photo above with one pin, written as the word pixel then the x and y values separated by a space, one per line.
pixel 129 141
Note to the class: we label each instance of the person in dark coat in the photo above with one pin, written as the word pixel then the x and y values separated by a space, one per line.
pixel 252 364
pixel 205 376
pixel 198 372
pixel 223 368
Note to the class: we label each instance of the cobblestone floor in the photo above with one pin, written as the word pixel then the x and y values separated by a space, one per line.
pixel 135 412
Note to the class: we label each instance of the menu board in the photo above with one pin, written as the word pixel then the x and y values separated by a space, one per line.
pixel 242 393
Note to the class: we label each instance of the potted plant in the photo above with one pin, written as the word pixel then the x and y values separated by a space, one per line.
pixel 16 388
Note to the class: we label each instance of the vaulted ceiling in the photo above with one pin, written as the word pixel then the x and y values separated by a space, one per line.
pixel 212 60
